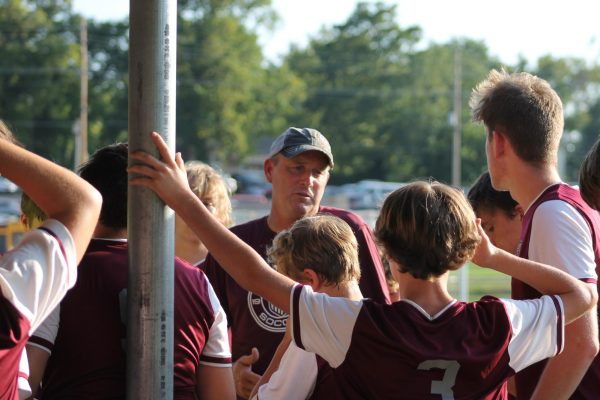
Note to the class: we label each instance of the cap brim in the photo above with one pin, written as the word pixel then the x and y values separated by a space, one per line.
pixel 293 151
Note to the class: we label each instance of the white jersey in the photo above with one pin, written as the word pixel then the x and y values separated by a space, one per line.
pixel 294 379
pixel 34 277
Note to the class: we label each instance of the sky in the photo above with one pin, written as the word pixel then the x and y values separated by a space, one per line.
pixel 510 28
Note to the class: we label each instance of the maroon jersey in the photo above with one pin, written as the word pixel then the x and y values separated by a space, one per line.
pixel 465 351
pixel 526 380
pixel 88 357
pixel 257 323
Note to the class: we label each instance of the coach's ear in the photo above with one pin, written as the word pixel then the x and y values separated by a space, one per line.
pixel 310 277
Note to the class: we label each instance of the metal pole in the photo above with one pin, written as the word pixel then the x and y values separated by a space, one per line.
pixel 456 158
pixel 152 61
pixel 80 127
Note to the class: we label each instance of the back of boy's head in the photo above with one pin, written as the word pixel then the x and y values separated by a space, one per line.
pixel 483 197
pixel 209 186
pixel 32 212
pixel 427 228
pixel 106 170
pixel 526 109
pixel 589 177
pixel 323 243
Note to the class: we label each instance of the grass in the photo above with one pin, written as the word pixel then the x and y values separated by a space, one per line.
pixel 481 282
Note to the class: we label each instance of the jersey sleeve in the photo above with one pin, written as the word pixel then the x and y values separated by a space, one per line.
pixel 294 379
pixel 537 330
pixel 323 324
pixel 36 274
pixel 216 352
pixel 561 237
pixel 45 335
pixel 372 283
pixel 217 278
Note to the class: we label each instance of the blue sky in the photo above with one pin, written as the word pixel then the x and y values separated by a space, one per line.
pixel 510 28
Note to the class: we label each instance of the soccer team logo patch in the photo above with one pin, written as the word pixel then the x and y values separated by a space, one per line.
pixel 266 315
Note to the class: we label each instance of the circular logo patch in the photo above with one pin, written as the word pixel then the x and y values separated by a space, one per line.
pixel 266 315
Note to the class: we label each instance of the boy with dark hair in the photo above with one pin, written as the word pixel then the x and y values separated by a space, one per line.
pixel 523 119
pixel 37 273
pixel 87 335
pixel 500 215
pixel 589 177
pixel 434 344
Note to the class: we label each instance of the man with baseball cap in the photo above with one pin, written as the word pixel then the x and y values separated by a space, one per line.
pixel 297 167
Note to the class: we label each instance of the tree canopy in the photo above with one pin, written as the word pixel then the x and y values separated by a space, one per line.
pixel 370 85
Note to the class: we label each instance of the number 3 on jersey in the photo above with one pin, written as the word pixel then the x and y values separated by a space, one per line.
pixel 443 387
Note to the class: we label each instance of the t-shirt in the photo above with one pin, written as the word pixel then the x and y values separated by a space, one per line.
pixel 466 350
pixel 294 379
pixel 560 229
pixel 86 336
pixel 257 323
pixel 34 277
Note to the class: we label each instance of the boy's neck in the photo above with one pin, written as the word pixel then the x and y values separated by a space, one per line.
pixel 349 290
pixel 192 251
pixel 529 181
pixel 431 295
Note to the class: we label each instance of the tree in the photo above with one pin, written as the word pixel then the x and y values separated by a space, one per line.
pixel 355 72
pixel 39 74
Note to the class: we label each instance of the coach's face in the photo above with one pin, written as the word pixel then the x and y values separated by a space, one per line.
pixel 298 183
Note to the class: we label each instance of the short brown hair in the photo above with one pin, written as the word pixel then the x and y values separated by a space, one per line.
pixel 589 177
pixel 208 184
pixel 483 197
pixel 523 107
pixel 323 243
pixel 428 228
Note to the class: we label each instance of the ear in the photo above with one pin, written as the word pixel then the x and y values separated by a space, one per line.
pixel 520 212
pixel 311 278
pixel 268 169
pixel 23 220
pixel 498 142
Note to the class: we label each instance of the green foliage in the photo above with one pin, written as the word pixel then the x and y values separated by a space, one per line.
pixel 383 99
pixel 39 77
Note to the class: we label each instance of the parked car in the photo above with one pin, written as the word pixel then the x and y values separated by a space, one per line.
pixel 369 194
pixel 7 186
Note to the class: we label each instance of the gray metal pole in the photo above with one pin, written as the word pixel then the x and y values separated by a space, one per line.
pixel 152 61
pixel 456 157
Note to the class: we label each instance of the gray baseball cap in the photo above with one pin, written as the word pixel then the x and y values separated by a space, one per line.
pixel 296 141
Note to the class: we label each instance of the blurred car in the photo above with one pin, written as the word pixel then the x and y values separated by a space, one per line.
pixel 252 182
pixel 7 186
pixel 369 194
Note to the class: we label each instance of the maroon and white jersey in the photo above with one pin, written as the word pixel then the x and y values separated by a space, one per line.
pixel 34 277
pixel 465 351
pixel 87 336
pixel 257 323
pixel 561 230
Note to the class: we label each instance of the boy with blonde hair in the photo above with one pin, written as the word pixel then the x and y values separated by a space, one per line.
pixel 317 251
pixel 434 344
pixel 211 189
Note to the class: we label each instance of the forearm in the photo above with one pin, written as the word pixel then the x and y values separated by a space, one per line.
pixel 577 296
pixel 237 258
pixel 60 193
pixel 564 372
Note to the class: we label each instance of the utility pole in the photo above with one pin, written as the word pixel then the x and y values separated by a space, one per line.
pixel 456 157
pixel 152 62
pixel 81 136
